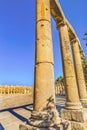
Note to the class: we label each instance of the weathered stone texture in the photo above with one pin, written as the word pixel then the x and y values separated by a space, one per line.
pixel 27 127
pixel 44 113
pixel 74 119
pixel 79 71
pixel 68 70
pixel 71 125
pixel 44 90
pixel 74 115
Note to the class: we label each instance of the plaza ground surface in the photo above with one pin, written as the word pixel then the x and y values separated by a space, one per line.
pixel 11 117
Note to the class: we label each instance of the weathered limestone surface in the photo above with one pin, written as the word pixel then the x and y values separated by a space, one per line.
pixel 71 125
pixel 72 115
pixel 44 76
pixel 79 72
pixel 74 119
pixel 44 113
pixel 27 127
pixel 68 69
pixel 66 125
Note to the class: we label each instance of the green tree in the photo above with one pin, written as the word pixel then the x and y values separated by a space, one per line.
pixel 59 80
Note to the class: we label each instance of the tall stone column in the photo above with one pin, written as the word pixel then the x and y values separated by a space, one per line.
pixel 56 89
pixel 44 113
pixel 72 97
pixel 79 71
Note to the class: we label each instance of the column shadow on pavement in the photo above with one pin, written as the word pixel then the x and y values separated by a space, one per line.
pixel 20 117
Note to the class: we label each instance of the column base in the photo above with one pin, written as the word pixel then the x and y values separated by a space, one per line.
pixel 84 102
pixel 66 125
pixel 27 127
pixel 73 106
pixel 44 119
pixel 71 125
pixel 74 119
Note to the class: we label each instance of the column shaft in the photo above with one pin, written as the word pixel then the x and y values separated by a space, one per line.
pixel 79 71
pixel 44 90
pixel 44 73
pixel 68 70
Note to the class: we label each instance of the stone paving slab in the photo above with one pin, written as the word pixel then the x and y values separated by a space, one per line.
pixel 14 100
pixel 23 112
pixel 29 107
pixel 7 119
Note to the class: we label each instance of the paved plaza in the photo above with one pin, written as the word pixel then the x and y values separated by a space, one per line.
pixel 12 117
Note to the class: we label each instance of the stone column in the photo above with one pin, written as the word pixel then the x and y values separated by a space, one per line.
pixel 8 90
pixel 79 71
pixel 44 113
pixel 56 89
pixel 72 97
pixel 0 91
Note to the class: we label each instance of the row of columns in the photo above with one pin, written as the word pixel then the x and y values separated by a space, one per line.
pixel 44 72
pixel 72 96
pixel 44 112
pixel 73 74
pixel 79 72
pixel 15 90
pixel 59 89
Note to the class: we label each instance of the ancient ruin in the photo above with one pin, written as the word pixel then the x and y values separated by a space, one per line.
pixel 15 89
pixel 44 114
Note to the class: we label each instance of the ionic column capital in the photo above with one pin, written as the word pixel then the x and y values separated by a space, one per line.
pixel 61 23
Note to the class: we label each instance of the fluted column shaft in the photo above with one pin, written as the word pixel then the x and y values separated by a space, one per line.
pixel 79 71
pixel 68 69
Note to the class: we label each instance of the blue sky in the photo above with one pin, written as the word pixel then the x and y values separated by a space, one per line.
pixel 17 38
